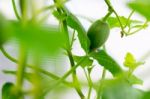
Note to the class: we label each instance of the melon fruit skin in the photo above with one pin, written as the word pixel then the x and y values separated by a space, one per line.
pixel 98 34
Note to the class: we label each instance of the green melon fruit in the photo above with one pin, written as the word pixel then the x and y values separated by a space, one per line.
pixel 98 34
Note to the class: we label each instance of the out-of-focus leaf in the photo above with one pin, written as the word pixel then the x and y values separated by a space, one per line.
pixel 141 6
pixel 146 95
pixel 37 38
pixel 107 62
pixel 85 63
pixel 119 89
pixel 8 91
pixel 134 80
pixel 131 62
pixel 39 81
pixel 113 21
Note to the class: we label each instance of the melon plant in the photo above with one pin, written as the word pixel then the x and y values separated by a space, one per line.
pixel 43 51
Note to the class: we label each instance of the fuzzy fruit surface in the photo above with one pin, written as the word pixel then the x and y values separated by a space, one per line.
pixel 98 34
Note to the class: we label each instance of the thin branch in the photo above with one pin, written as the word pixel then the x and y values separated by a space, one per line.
pixel 129 17
pixel 73 38
pixel 15 10
pixel 139 29
pixel 110 7
pixel 107 15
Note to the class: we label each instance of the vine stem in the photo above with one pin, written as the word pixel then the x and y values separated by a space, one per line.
pixel 15 9
pixel 107 15
pixel 89 83
pixel 110 7
pixel 21 68
pixel 75 79
pixel 101 80
pixel 66 75
pixel 73 38
pixel 129 17
pixel 139 29
pixel 68 45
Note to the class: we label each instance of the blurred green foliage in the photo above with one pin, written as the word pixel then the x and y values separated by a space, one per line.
pixel 44 39
pixel 141 6
pixel 9 92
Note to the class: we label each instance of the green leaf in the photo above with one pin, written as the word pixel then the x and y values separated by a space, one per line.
pixel 119 89
pixel 107 62
pixel 113 21
pixel 141 6
pixel 131 62
pixel 74 23
pixel 8 91
pixel 86 63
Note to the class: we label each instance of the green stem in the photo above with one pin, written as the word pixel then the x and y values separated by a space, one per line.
pixel 129 17
pixel 22 4
pixel 89 83
pixel 113 10
pixel 101 83
pixel 75 79
pixel 102 79
pixel 139 29
pixel 65 31
pixel 23 9
pixel 73 38
pixel 21 68
pixel 128 30
pixel 34 68
pixel 68 45
pixel 104 74
pixel 107 15
pixel 65 75
pixel 7 55
pixel 89 92
pixel 15 10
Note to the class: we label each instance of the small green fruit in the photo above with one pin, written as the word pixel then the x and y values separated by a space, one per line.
pixel 98 34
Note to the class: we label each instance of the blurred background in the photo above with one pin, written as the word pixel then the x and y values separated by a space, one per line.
pixel 137 44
